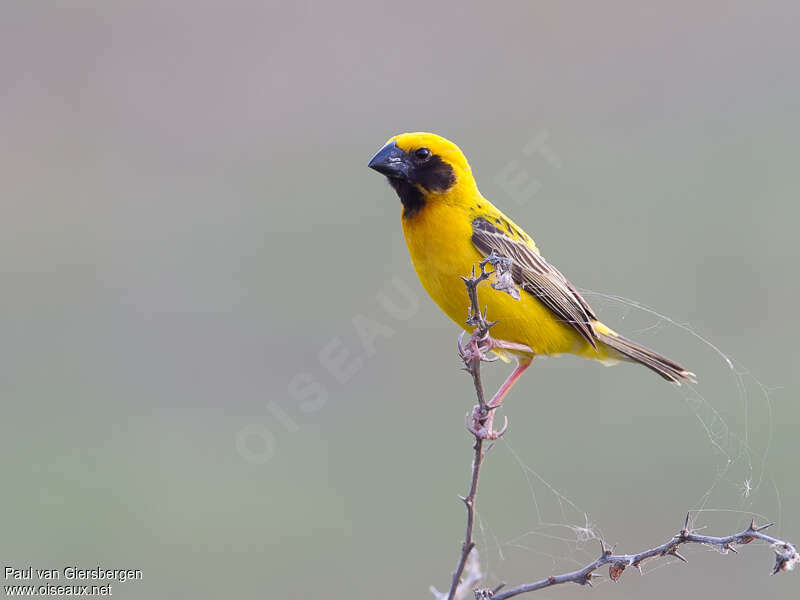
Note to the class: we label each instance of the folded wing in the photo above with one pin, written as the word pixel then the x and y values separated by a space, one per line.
pixel 536 276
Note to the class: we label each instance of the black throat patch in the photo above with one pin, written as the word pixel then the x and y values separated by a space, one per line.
pixel 433 175
pixel 412 199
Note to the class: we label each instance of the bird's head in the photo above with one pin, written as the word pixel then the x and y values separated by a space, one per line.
pixel 421 167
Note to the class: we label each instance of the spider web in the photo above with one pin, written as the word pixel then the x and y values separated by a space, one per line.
pixel 737 435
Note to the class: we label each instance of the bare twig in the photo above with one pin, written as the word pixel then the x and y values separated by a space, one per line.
pixel 473 367
pixel 786 556
pixel 468 544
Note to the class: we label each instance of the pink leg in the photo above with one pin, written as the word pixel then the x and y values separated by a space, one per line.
pixel 482 427
pixel 521 367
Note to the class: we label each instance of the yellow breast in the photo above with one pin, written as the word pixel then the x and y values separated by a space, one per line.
pixel 439 241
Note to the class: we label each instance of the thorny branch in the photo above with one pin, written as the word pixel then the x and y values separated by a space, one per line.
pixel 786 555
pixel 477 320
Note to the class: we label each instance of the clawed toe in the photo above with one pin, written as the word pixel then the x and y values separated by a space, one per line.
pixel 479 423
pixel 482 348
pixel 478 348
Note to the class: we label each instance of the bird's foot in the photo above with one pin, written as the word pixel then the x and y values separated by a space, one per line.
pixel 480 346
pixel 477 348
pixel 479 423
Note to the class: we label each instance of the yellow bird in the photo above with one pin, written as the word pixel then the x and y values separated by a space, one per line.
pixel 449 227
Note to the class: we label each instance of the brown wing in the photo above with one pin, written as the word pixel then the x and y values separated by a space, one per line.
pixel 537 277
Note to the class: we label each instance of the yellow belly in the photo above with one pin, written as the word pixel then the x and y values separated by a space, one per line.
pixel 441 250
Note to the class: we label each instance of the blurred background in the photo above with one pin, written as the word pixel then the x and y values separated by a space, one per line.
pixel 191 242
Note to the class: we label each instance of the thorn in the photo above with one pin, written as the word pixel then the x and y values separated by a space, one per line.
pixel 686 522
pixel 731 548
pixel 677 555
pixel 499 587
pixel 587 579
pixel 752 525
pixel 779 566
pixel 763 527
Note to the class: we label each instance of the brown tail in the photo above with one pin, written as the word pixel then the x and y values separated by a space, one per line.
pixel 669 370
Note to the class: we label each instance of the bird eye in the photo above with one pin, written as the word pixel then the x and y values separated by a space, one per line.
pixel 422 153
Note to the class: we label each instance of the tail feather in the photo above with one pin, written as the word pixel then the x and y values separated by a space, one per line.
pixel 668 369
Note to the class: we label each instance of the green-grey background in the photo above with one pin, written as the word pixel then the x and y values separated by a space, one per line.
pixel 188 225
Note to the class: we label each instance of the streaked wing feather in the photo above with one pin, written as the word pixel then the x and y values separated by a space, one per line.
pixel 537 277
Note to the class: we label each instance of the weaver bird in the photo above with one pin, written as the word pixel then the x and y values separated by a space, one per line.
pixel 449 227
